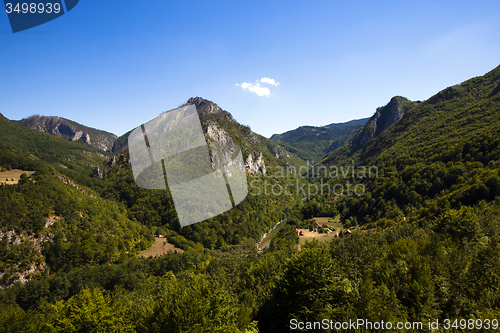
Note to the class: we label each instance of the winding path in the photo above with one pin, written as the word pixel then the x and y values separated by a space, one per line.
pixel 265 241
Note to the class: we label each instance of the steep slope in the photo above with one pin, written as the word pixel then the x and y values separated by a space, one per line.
pixel 383 118
pixel 71 131
pixel 218 124
pixel 69 157
pixel 443 154
pixel 357 124
pixel 447 123
pixel 313 143
pixel 54 219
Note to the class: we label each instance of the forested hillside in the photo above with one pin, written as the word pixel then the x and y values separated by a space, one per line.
pixel 312 143
pixel 442 154
pixel 55 218
pixel 423 241
pixel 83 207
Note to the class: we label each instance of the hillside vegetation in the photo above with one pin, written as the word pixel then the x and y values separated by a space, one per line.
pixel 70 130
pixel 441 155
pixel 312 143
pixel 432 205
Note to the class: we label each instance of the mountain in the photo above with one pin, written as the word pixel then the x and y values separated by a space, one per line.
pixel 383 118
pixel 356 124
pixel 424 240
pixel 313 143
pixel 83 207
pixel 442 154
pixel 449 122
pixel 71 131
pixel 219 125
pixel 47 218
pixel 61 154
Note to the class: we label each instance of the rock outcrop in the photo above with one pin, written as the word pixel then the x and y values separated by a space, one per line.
pixel 383 118
pixel 257 166
pixel 220 127
pixel 216 133
pixel 71 131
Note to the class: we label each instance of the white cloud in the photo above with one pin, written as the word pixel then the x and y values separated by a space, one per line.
pixel 246 85
pixel 256 88
pixel 260 91
pixel 270 81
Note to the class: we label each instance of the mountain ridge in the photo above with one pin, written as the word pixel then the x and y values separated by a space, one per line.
pixel 441 155
pixel 313 143
pixel 70 130
pixel 380 121
pixel 383 118
pixel 219 125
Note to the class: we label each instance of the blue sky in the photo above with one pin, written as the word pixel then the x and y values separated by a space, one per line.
pixel 115 64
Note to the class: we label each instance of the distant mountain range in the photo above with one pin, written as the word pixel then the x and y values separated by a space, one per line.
pixel 293 147
pixel 217 125
pixel 312 143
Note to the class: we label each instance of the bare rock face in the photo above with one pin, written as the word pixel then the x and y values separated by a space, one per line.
pixel 77 136
pixel 86 138
pixel 216 133
pixel 70 130
pixel 81 135
pixel 112 161
pixel 219 127
pixel 204 106
pixel 384 117
pixel 279 153
pixel 258 166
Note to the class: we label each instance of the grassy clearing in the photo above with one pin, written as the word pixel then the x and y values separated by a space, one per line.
pixel 160 247
pixel 310 235
pixel 333 222
pixel 13 174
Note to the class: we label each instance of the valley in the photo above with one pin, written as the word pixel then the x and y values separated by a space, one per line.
pixel 79 239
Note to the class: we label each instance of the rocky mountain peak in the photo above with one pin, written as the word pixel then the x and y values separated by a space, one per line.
pixel 216 131
pixel 384 117
pixel 204 106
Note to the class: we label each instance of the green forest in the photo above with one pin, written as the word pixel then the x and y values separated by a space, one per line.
pixel 423 242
